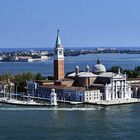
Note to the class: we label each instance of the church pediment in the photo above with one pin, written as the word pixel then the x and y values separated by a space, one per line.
pixel 119 76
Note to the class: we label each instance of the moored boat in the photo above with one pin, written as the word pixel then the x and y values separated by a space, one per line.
pixel 20 102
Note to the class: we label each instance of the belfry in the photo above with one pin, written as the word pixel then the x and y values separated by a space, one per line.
pixel 58 59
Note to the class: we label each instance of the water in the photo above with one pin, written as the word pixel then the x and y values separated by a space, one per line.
pixel 65 123
pixel 127 61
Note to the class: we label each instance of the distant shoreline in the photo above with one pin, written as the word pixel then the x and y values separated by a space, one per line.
pixel 39 54
pixel 13 49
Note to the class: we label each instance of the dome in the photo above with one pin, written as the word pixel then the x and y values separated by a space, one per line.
pixel 99 68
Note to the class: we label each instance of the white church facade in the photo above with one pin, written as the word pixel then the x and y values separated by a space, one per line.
pixel 118 88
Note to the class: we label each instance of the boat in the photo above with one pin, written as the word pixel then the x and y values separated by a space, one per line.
pixel 27 100
pixel 20 102
pixel 8 99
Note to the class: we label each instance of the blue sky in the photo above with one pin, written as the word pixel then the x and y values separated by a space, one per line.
pixel 82 23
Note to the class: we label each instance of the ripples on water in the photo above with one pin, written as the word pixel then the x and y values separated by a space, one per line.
pixel 49 109
pixel 77 122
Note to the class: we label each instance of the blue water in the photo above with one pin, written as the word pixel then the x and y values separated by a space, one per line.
pixel 88 123
pixel 127 61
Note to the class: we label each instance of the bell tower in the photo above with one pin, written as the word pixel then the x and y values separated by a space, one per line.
pixel 58 59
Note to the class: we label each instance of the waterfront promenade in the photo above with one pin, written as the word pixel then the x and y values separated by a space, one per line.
pixel 102 102
pixel 117 102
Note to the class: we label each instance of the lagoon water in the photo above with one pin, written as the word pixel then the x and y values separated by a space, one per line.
pixel 127 61
pixel 82 122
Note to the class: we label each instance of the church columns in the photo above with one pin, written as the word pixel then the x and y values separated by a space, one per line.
pixel 129 92
pixel 108 94
pixel 116 89
pixel 125 89
pixel 113 88
pixel 121 88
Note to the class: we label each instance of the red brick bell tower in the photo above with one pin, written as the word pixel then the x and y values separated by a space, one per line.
pixel 58 59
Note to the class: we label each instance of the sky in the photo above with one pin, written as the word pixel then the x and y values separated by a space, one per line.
pixel 82 23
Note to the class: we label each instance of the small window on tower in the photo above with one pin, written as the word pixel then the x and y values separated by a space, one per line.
pixel 60 52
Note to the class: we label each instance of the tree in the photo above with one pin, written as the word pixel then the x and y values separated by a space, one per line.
pixel 50 78
pixel 6 76
pixel 22 78
pixel 137 68
pixel 38 76
pixel 115 69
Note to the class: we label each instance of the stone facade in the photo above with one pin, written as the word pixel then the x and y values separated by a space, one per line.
pixel 117 88
pixel 71 93
pixel 91 96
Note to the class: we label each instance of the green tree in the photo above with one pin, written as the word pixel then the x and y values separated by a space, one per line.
pixel 137 68
pixel 6 76
pixel 22 78
pixel 115 69
pixel 38 76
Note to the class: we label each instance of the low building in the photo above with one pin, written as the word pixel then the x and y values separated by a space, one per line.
pixel 69 93
pixel 135 86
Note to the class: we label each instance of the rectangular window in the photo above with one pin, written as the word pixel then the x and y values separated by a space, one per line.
pixel 60 52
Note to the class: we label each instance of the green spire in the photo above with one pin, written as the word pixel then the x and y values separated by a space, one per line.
pixel 58 40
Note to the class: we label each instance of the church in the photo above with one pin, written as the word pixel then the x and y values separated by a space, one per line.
pixel 86 86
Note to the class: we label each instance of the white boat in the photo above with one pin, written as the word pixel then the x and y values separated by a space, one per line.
pixel 22 103
pixel 11 98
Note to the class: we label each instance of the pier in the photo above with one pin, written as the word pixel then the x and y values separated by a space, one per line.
pixel 116 102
